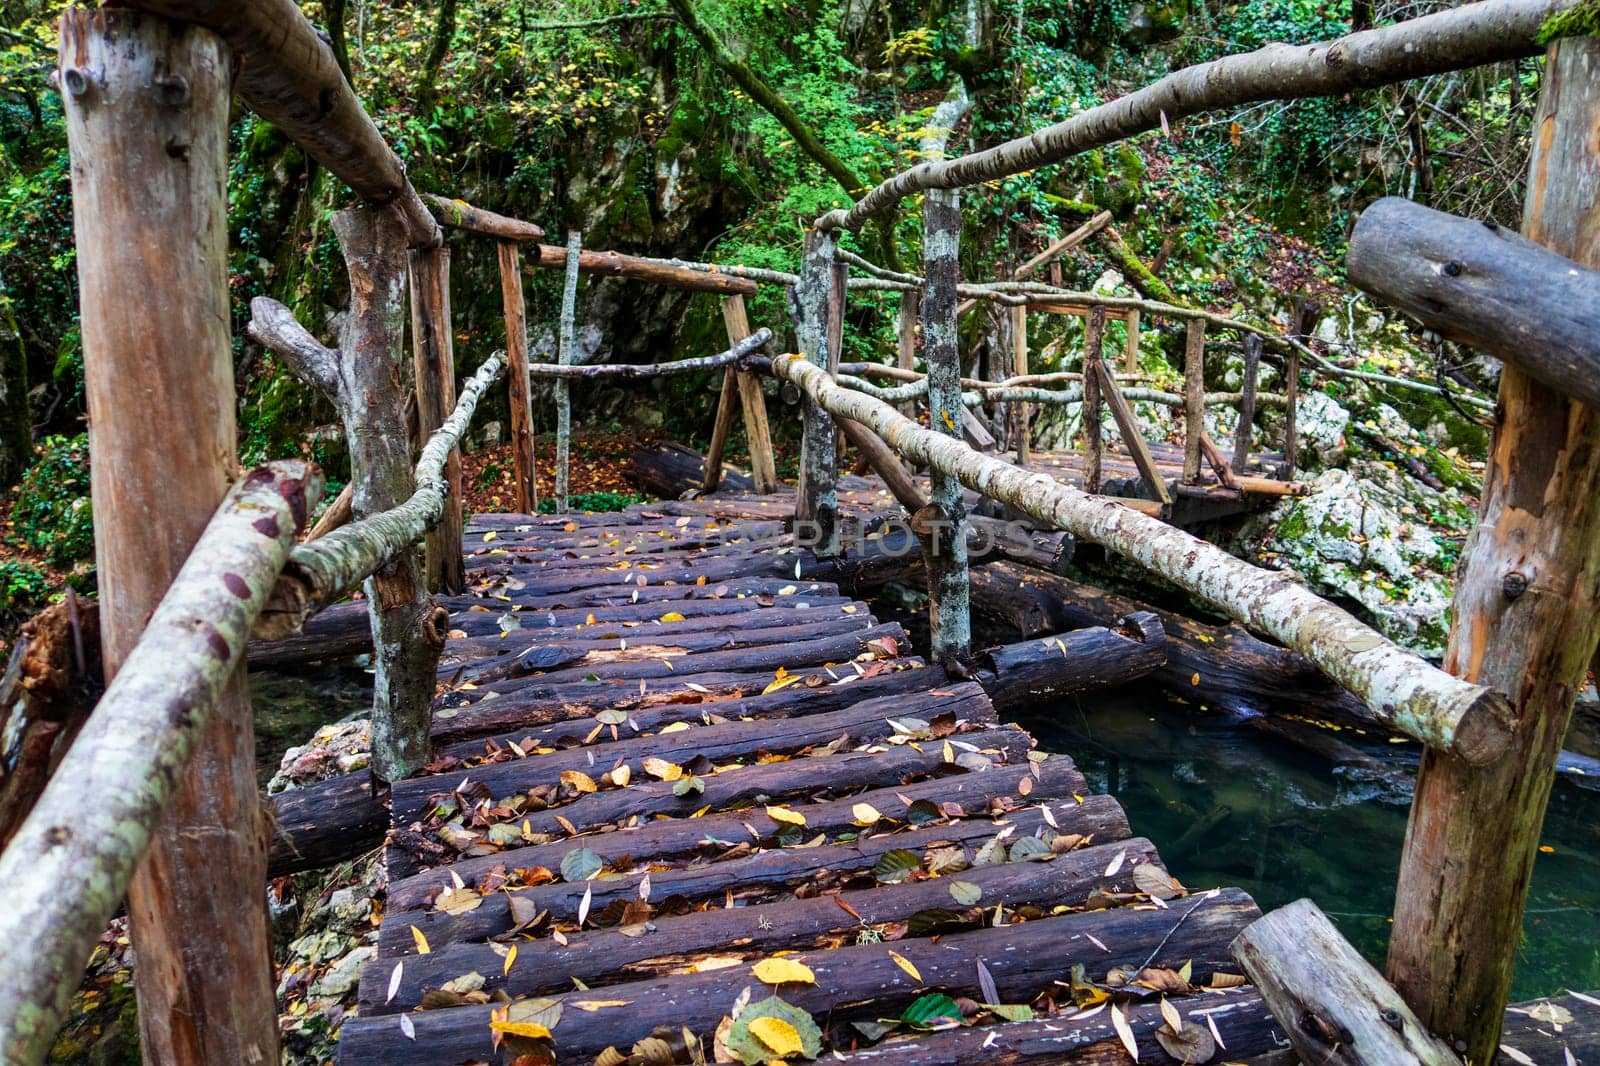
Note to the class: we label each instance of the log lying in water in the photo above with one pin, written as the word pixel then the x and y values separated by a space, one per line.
pixel 543 966
pixel 854 982
pixel 1333 1005
pixel 1485 286
pixel 1036 671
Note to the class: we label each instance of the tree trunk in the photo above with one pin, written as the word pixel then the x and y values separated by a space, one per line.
pixel 147 109
pixel 1523 623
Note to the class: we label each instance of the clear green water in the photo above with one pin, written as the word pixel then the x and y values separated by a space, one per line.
pixel 289 706
pixel 1228 806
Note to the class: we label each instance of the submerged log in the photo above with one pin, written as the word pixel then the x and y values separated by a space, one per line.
pixel 1334 1006
pixel 1485 286
pixel 1023 960
pixel 1037 671
pixel 1422 701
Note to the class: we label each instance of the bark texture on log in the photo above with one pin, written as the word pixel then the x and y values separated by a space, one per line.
pixel 940 525
pixel 1194 403
pixel 1524 622
pixel 146 104
pixel 1334 1006
pixel 1418 699
pixel 1094 443
pixel 526 480
pixel 816 300
pixel 1484 286
pixel 656 271
pixel 1036 671
pixel 288 75
pixel 758 437
pixel 566 341
pixel 433 355
pixel 458 214
pixel 69 865
pixel 1467 36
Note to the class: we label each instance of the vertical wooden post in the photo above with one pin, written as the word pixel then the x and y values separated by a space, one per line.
pixel 569 314
pixel 1194 398
pixel 526 486
pixel 1523 622
pixel 433 353
pixel 146 102
pixel 941 525
pixel 1305 311
pixel 1094 328
pixel 1243 438
pixel 719 431
pixel 818 305
pixel 1130 353
pixel 763 470
pixel 906 332
pixel 1021 413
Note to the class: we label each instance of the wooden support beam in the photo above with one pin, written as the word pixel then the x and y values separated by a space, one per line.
pixel 1021 413
pixel 1217 461
pixel 817 303
pixel 1093 431
pixel 458 214
pixel 434 364
pixel 525 480
pixel 1305 315
pixel 158 377
pixel 1053 306
pixel 615 264
pixel 1484 286
pixel 940 525
pixel 1243 437
pixel 763 467
pixel 285 71
pixel 1523 623
pixel 1133 436
pixel 565 356
pixel 1335 1008
pixel 1194 398
pixel 885 464
pixel 1130 351
pixel 720 428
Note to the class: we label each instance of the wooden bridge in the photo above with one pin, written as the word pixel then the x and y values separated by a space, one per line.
pixel 777 815
pixel 763 769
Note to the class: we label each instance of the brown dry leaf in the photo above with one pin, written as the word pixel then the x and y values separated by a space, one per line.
pixel 579 780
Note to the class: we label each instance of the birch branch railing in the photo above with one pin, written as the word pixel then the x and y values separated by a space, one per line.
pixel 69 865
pixel 321 570
pixel 1468 36
pixel 1419 700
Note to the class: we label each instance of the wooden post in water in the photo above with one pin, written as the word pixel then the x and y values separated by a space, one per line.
pixel 146 102
pixel 1194 398
pixel 1093 435
pixel 940 524
pixel 1244 435
pixel 1020 412
pixel 569 314
pixel 526 481
pixel 818 305
pixel 1523 622
pixel 433 355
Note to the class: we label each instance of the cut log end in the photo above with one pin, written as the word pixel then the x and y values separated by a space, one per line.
pixel 1485 730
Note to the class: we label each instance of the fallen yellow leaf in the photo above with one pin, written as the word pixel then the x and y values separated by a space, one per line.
pixel 532 1030
pixel 906 965
pixel 777 1034
pixel 672 616
pixel 783 972
pixel 786 816
pixel 865 814
pixel 422 941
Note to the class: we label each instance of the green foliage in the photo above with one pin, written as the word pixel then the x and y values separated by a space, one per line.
pixel 52 513
pixel 1580 21
pixel 23 586
pixel 593 501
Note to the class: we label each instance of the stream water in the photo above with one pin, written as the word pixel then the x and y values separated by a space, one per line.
pixel 1228 806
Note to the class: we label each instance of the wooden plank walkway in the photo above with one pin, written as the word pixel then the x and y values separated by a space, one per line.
pixel 671 749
